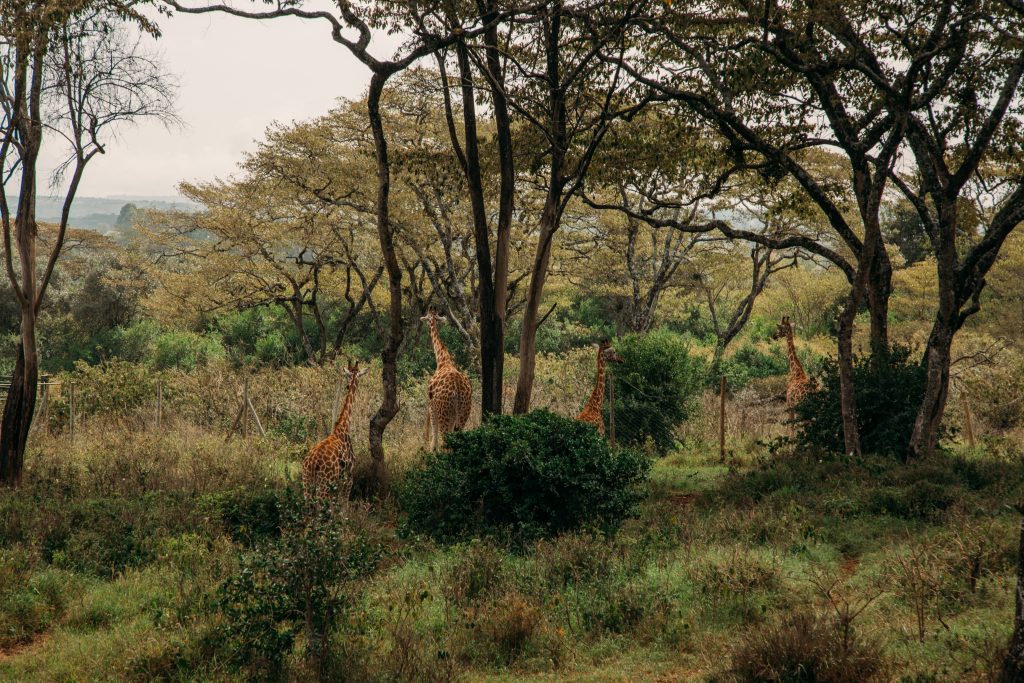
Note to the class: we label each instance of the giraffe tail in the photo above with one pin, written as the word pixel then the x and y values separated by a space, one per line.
pixel 426 429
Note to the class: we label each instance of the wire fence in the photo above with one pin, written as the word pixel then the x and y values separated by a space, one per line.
pixel 302 404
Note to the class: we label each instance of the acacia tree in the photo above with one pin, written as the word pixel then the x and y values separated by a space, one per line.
pixel 69 72
pixel 669 179
pixel 779 80
pixel 570 99
pixel 257 243
pixel 967 143
pixel 361 19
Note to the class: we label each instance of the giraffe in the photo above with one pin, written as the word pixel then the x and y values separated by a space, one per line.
pixel 449 393
pixel 798 385
pixel 330 460
pixel 591 412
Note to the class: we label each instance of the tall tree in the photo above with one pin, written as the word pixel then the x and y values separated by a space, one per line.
pixel 69 71
pixel 570 99
pixel 361 19
pixel 777 80
pixel 967 143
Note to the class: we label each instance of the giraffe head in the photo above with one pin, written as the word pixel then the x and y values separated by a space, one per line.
pixel 784 330
pixel 433 317
pixel 352 371
pixel 608 352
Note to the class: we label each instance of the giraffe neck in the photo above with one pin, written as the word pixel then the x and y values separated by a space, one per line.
pixel 597 397
pixel 444 358
pixel 341 425
pixel 796 369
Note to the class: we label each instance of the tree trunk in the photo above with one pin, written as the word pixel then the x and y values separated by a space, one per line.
pixel 933 403
pixel 847 394
pixel 937 353
pixel 528 335
pixel 551 214
pixel 879 291
pixel 389 356
pixel 492 337
pixel 19 408
pixel 1013 666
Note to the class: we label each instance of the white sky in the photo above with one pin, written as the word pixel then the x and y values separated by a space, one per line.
pixel 235 77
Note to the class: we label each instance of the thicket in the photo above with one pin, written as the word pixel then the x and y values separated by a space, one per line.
pixel 888 392
pixel 298 583
pixel 656 388
pixel 519 478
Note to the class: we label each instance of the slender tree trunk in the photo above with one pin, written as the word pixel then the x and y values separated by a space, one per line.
pixel 1013 666
pixel 492 340
pixel 936 359
pixel 528 336
pixel 879 291
pixel 17 417
pixel 21 398
pixel 847 389
pixel 389 356
pixel 551 214
pixel 506 197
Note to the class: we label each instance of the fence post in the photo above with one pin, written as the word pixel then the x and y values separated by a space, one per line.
pixel 71 407
pixel 611 411
pixel 721 420
pixel 968 422
pixel 245 408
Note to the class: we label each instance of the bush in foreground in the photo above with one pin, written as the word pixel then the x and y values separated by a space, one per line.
pixel 807 648
pixel 522 477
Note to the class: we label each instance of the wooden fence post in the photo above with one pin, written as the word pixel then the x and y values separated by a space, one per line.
pixel 245 408
pixel 721 420
pixel 71 408
pixel 968 422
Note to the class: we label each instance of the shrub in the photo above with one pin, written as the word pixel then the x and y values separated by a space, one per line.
pixel 887 393
pixel 300 582
pixel 247 515
pixel 114 387
pixel 806 648
pixel 655 388
pixel 748 363
pixel 185 350
pixel 522 477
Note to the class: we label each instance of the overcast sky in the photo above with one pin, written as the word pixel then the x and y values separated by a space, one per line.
pixel 236 76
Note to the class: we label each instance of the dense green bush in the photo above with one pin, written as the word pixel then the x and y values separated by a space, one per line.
pixel 655 388
pixel 185 350
pixel 247 515
pixel 750 362
pixel 522 477
pixel 888 394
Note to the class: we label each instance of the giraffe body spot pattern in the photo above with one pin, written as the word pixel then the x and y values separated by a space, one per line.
pixel 329 462
pixel 449 393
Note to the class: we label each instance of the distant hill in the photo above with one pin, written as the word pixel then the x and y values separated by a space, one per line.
pixel 101 213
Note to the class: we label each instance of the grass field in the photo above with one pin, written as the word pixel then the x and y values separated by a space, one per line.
pixel 113 551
